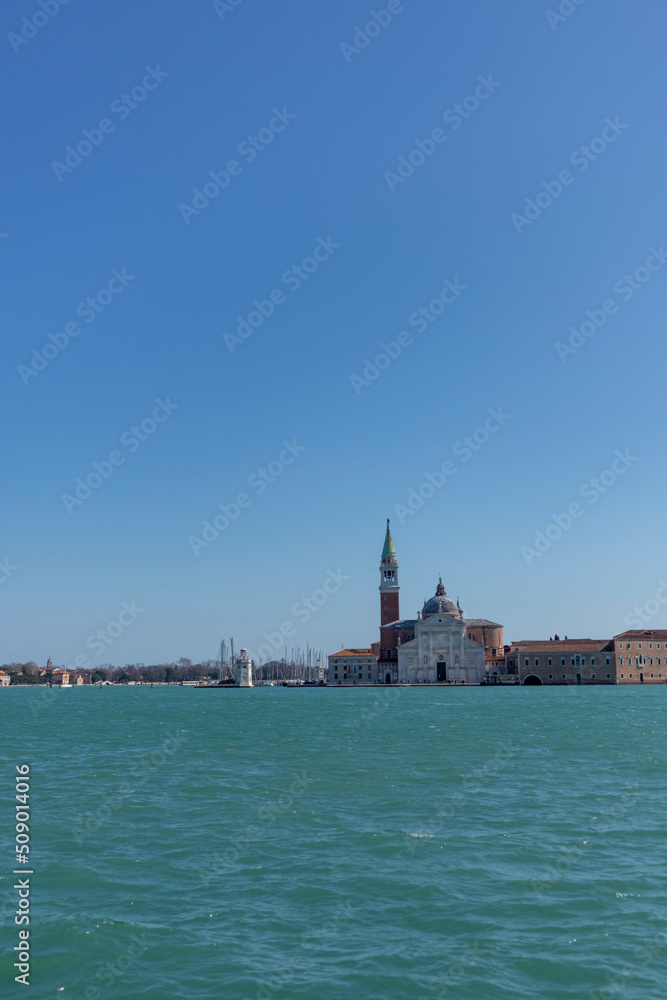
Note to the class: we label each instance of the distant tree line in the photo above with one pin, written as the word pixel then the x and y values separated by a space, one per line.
pixel 156 673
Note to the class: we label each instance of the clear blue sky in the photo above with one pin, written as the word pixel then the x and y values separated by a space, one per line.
pixel 324 175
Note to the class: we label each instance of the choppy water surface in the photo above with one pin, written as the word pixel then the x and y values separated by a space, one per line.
pixel 330 844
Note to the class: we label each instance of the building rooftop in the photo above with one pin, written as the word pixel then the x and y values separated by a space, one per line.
pixel 481 623
pixel 353 652
pixel 656 633
pixel 562 645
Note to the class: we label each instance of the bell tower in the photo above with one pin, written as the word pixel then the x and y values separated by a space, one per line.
pixel 389 587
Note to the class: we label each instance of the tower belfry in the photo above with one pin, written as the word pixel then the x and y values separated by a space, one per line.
pixel 389 586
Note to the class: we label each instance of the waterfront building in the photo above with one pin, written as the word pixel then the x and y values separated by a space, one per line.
pixel 440 650
pixel 490 634
pixel 60 677
pixel 641 656
pixel 353 666
pixel 441 646
pixel 563 661
pixel 5 679
pixel 438 646
pixel 244 670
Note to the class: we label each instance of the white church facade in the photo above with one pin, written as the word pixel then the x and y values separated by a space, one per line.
pixel 440 651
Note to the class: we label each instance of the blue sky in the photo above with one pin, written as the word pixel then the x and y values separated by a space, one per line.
pixel 332 125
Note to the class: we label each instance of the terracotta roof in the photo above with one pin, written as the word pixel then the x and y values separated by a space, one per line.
pixel 562 645
pixel 353 652
pixel 481 623
pixel 657 633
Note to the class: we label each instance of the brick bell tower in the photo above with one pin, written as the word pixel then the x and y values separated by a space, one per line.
pixel 389 587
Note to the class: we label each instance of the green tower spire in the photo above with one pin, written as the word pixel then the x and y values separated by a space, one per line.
pixel 388 549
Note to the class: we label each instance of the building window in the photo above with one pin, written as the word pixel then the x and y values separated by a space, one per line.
pixel 562 661
pixel 650 660
pixel 651 675
pixel 551 662
pixel 607 661
pixel 537 661
pixel 526 661
pixel 639 645
pixel 609 677
pixel 622 675
pixel 621 660
pixel 593 677
pixel 657 645
pixel 562 677
pixel 650 645
pixel 629 675
pixel 551 677
pixel 592 661
pixel 627 645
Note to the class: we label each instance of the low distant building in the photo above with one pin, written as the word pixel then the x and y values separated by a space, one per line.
pixel 5 679
pixel 59 677
pixel 79 678
pixel 641 656
pixel 563 661
pixel 353 666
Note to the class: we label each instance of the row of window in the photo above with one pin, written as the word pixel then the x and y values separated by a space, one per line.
pixel 628 645
pixel 593 677
pixel 640 661
pixel 575 661
pixel 630 675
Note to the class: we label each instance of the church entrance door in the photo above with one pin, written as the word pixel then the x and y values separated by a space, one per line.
pixel 387 679
pixel 442 672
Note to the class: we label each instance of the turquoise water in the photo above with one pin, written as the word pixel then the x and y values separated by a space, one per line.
pixel 328 844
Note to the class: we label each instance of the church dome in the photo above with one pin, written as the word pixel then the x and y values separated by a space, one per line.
pixel 440 604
